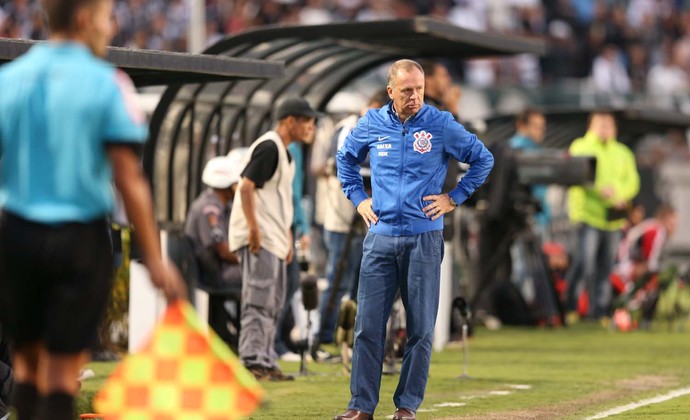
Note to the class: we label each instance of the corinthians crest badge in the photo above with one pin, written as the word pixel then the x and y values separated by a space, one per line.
pixel 422 142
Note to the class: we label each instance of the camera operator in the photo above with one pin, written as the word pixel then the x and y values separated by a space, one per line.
pixel 530 126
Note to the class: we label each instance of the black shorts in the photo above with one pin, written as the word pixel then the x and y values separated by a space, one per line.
pixel 55 281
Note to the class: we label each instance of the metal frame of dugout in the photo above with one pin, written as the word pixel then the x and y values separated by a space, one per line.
pixel 197 121
pixel 151 67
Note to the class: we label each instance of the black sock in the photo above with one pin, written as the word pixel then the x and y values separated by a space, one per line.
pixel 56 406
pixel 24 399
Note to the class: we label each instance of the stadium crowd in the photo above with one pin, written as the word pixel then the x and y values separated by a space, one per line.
pixel 617 46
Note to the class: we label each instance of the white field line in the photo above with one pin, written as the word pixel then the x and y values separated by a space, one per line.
pixel 632 406
pixel 519 386
pixel 450 404
pixel 500 392
pixel 471 397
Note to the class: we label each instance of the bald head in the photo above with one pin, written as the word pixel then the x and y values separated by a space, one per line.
pixel 404 65
pixel 406 87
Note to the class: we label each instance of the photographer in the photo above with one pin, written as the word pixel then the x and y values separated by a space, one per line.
pixel 598 211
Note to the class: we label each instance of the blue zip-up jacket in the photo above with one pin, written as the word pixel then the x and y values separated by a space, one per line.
pixel 409 161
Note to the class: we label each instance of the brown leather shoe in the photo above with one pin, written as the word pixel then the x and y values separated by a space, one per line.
pixel 353 415
pixel 277 375
pixel 259 372
pixel 404 414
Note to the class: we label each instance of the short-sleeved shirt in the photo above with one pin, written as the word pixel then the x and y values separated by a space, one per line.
pixel 197 226
pixel 205 238
pixel 59 107
pixel 263 163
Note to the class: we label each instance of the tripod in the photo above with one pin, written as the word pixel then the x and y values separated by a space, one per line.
pixel 394 325
pixel 461 306
pixel 498 236
pixel 310 300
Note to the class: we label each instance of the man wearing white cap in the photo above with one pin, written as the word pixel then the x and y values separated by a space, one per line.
pixel 207 225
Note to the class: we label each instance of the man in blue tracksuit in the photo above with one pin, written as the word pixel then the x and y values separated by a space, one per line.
pixel 409 144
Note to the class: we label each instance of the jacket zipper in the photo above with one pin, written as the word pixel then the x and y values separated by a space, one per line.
pixel 402 175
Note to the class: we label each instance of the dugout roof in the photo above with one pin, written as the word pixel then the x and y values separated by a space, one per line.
pixel 197 121
pixel 149 67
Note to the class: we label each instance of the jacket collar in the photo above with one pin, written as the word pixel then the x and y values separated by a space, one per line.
pixel 390 110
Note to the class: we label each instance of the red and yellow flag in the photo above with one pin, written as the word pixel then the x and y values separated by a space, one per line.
pixel 183 372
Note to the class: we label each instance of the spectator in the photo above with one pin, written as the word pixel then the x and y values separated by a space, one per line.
pixel 638 59
pixel 667 79
pixel 376 10
pixel 470 14
pixel 314 12
pixel 599 212
pixel 59 162
pixel 559 61
pixel 404 246
pixel 260 232
pixel 270 12
pixel 584 9
pixel 608 72
pixel 640 10
pixel 38 29
pixel 21 12
pixel 158 38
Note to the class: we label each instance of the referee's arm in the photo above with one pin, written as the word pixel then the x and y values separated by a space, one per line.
pixel 136 194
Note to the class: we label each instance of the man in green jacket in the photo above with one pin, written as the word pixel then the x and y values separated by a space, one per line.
pixel 599 212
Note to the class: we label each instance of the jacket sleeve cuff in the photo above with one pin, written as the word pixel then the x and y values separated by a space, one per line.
pixel 357 197
pixel 458 195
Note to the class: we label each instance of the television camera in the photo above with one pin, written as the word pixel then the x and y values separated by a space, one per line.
pixel 505 206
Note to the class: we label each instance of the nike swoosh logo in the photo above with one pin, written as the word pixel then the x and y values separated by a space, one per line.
pixel 382 138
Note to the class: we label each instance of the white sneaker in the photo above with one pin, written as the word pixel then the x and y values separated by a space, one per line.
pixel 85 374
pixel 323 355
pixel 290 357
